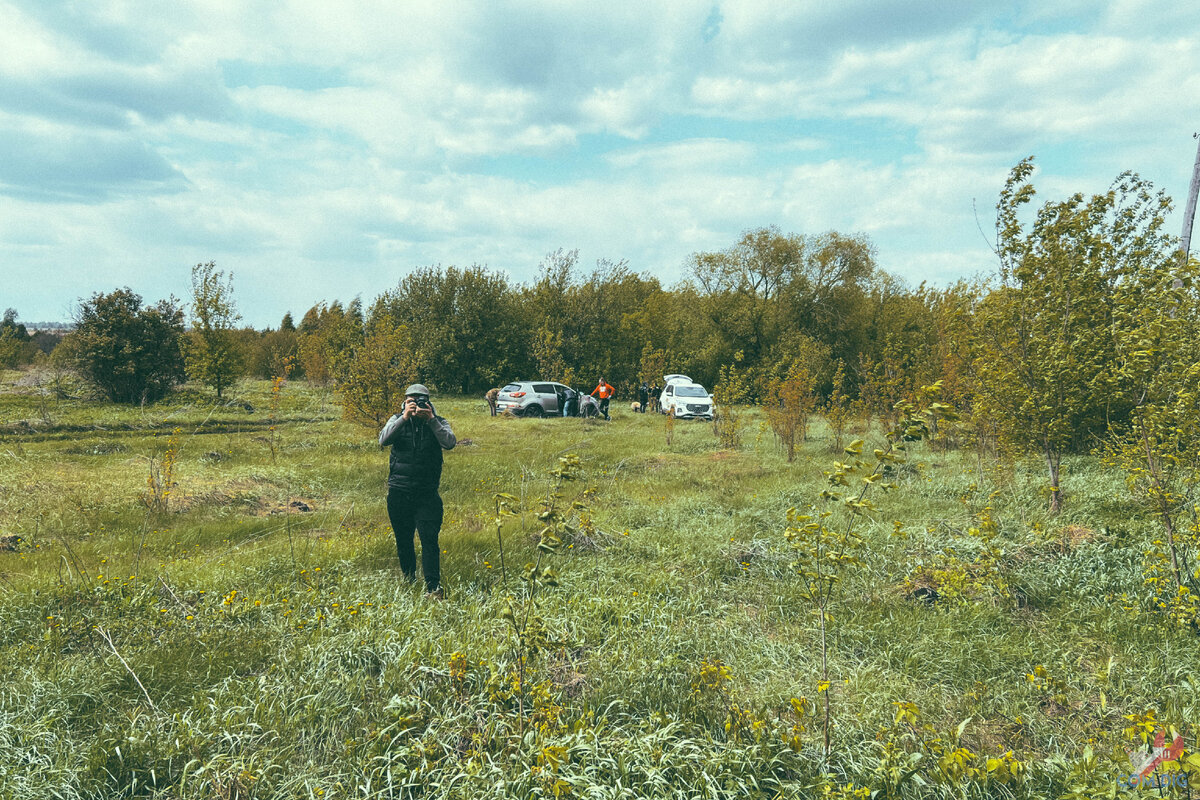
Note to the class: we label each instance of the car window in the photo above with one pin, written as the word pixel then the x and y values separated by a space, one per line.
pixel 544 388
pixel 512 387
pixel 670 390
pixel 692 391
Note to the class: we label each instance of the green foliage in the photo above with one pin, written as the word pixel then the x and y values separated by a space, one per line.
pixel 16 345
pixel 372 374
pixel 770 286
pixel 731 391
pixel 132 354
pixel 826 543
pixel 530 631
pixel 548 360
pixel 462 321
pixel 324 333
pixel 1156 330
pixel 837 410
pixel 284 657
pixel 791 400
pixel 1046 342
pixel 212 351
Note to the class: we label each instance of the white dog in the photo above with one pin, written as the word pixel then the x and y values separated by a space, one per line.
pixel 635 406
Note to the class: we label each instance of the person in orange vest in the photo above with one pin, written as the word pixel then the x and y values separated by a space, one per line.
pixel 605 392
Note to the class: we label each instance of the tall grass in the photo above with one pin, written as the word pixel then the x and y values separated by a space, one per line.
pixel 261 642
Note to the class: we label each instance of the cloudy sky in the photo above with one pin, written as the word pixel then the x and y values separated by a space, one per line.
pixel 319 150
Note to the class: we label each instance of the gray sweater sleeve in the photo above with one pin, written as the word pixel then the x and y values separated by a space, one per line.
pixel 441 431
pixel 389 428
pixel 440 427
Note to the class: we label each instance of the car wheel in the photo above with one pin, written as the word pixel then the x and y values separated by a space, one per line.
pixel 534 410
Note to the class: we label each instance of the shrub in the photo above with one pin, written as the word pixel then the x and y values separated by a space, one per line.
pixel 130 353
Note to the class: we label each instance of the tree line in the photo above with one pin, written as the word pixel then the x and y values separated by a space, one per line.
pixel 1091 312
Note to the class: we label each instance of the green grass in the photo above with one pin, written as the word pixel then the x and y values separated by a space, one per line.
pixel 279 654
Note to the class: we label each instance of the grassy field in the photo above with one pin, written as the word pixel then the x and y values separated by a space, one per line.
pixel 202 600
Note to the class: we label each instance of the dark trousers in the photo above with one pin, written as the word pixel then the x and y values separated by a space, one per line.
pixel 421 512
pixel 604 407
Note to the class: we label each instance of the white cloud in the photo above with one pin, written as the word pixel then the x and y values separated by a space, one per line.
pixel 690 156
pixel 299 140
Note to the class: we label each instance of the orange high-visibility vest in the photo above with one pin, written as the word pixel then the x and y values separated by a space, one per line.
pixel 604 390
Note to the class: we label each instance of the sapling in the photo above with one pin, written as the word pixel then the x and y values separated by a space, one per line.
pixel 527 627
pixel 826 542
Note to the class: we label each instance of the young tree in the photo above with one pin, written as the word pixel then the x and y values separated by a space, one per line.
pixel 1047 347
pixel 132 354
pixel 791 400
pixel 313 339
pixel 838 409
pixel 1157 331
pixel 15 341
pixel 212 351
pixel 373 373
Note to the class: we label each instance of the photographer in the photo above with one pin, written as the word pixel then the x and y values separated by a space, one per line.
pixel 417 436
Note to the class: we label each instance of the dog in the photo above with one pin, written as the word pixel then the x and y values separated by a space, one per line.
pixel 635 406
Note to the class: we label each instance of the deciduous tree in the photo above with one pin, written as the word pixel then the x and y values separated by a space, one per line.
pixel 132 354
pixel 212 349
pixel 1046 332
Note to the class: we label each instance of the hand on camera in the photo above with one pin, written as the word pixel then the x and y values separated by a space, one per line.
pixel 411 410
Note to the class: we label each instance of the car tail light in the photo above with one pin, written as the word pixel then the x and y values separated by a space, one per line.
pixel 517 394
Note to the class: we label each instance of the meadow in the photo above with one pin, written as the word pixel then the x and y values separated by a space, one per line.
pixel 202 600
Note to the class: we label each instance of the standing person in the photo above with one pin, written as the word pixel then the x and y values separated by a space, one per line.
pixel 605 392
pixel 568 402
pixel 417 436
pixel 655 394
pixel 643 397
pixel 491 396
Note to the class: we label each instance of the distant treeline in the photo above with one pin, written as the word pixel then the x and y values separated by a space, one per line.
pixel 758 305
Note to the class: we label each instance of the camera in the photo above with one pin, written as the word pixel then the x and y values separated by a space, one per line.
pixel 422 402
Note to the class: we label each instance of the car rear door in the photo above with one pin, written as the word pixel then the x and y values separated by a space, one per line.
pixel 547 397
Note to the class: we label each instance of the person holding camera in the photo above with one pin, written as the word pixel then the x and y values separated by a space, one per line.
pixel 417 437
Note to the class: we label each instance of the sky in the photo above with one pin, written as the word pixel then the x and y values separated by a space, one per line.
pixel 320 151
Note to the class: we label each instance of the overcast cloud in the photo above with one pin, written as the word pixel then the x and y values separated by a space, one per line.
pixel 320 151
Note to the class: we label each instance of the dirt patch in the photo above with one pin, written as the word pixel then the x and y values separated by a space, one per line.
pixel 1072 537
pixel 566 671
pixel 249 494
pixel 10 543
pixel 265 507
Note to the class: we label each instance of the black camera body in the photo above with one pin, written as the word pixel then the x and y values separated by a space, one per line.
pixel 422 402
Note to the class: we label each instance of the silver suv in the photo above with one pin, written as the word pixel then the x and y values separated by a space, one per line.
pixel 536 399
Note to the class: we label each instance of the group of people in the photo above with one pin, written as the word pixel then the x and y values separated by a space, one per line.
pixel 569 399
pixel 417 436
pixel 648 397
pixel 570 402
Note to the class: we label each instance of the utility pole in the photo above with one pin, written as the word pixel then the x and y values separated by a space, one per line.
pixel 1185 244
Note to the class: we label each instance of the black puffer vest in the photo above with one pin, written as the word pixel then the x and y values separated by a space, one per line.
pixel 416 460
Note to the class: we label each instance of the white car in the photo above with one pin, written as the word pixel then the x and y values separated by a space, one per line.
pixel 685 399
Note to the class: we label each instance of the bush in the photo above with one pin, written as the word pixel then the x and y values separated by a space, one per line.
pixel 130 353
